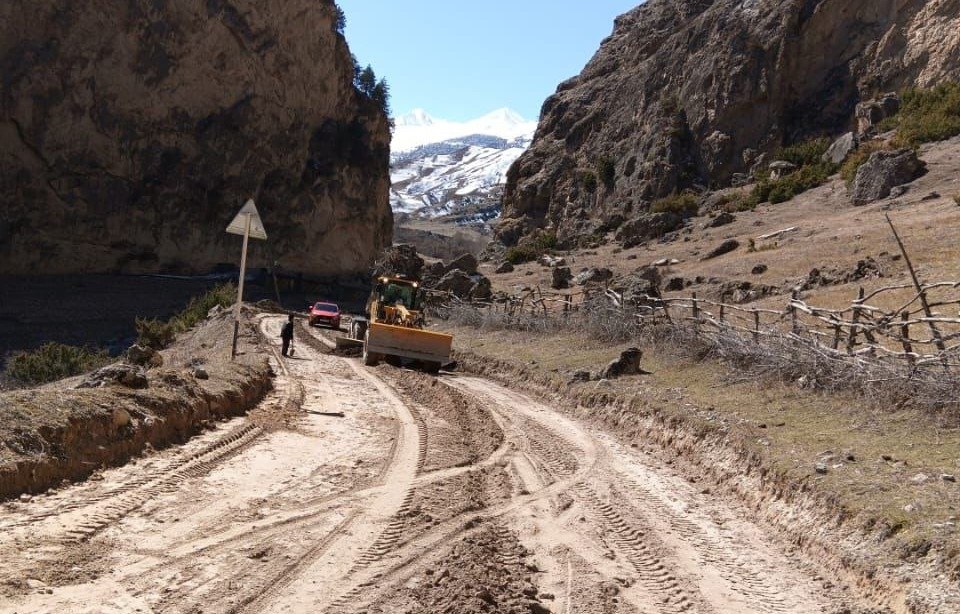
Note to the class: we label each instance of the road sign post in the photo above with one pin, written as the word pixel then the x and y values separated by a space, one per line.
pixel 247 223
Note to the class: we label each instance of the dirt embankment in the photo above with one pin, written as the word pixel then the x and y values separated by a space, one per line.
pixel 866 552
pixel 58 432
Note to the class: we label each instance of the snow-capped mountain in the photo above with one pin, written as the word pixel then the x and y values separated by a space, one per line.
pixel 440 167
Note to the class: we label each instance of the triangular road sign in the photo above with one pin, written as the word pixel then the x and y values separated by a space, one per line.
pixel 239 224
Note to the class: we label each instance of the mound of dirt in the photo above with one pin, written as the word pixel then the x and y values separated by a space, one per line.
pixel 58 432
pixel 462 430
pixel 483 572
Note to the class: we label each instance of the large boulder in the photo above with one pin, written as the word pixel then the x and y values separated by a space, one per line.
pixel 481 288
pixel 627 364
pixel 457 282
pixel 466 263
pixel 400 260
pixel 840 149
pixel 882 172
pixel 724 218
pixel 724 248
pixel 872 112
pixel 647 226
pixel 132 132
pixel 561 278
pixel 593 275
pixel 637 286
pixel 144 356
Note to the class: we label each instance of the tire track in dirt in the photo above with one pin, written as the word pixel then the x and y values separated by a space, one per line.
pixel 520 434
pixel 725 556
pixel 374 529
pixel 363 507
pixel 687 563
pixel 654 574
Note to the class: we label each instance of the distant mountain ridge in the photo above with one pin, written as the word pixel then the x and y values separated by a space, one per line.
pixel 458 169
pixel 419 128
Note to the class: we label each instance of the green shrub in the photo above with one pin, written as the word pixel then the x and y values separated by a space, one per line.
pixel 803 179
pixel 521 254
pixel 154 333
pixel 812 171
pixel 158 334
pixel 928 115
pixel 607 170
pixel 805 153
pixel 54 361
pixel 685 204
pixel 544 241
pixel 223 295
pixel 589 181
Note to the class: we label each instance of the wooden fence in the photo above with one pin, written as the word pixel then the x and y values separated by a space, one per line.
pixel 923 328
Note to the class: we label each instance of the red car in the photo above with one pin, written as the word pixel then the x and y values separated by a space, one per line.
pixel 325 314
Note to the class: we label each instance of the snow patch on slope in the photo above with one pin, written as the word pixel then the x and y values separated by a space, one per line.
pixel 418 128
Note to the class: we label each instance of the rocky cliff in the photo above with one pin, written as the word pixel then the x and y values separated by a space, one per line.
pixel 686 93
pixel 132 132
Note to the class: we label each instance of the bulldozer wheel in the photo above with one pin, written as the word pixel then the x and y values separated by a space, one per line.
pixel 370 359
pixel 431 367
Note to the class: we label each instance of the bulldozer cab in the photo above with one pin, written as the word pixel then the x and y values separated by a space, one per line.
pixel 396 301
pixel 396 292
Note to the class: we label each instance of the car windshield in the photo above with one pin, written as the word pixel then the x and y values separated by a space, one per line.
pixel 325 307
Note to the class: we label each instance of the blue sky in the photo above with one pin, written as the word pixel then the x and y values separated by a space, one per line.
pixel 459 60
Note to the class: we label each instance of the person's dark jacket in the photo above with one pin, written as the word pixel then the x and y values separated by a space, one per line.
pixel 287 331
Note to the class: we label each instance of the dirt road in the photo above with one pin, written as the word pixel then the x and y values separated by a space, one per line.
pixel 449 494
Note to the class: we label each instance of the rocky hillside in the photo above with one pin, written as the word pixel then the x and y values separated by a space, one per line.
pixel 689 93
pixel 131 133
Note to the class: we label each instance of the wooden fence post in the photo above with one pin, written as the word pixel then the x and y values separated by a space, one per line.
pixel 905 337
pixel 837 333
pixel 937 337
pixel 756 327
pixel 721 312
pixel 666 310
pixel 696 312
pixel 867 332
pixel 794 324
pixel 854 326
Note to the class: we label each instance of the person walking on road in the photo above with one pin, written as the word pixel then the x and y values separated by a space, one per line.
pixel 286 335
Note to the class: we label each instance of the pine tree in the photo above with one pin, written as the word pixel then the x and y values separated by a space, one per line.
pixel 381 95
pixel 356 71
pixel 341 23
pixel 367 81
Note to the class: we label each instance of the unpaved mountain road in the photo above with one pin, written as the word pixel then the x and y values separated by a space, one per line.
pixel 449 494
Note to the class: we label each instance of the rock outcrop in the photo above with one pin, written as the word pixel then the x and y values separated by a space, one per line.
pixel 882 172
pixel 132 132
pixel 689 94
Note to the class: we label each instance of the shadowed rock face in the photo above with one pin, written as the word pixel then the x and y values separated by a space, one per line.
pixel 689 92
pixel 132 132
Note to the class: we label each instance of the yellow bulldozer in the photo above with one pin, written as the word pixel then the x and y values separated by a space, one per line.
pixel 394 330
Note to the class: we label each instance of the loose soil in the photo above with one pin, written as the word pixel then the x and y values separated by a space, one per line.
pixel 440 494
